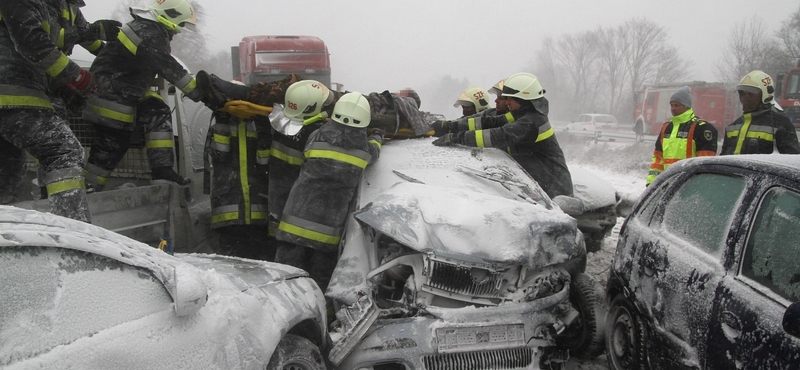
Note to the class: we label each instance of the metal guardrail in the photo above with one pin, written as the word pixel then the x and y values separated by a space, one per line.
pixel 623 134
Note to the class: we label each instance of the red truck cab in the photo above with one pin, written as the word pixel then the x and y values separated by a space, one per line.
pixel 270 58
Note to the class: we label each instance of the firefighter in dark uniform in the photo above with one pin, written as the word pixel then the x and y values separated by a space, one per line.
pixel 73 29
pixel 305 101
pixel 28 121
pixel 683 136
pixel 315 213
pixel 238 146
pixel 124 71
pixel 529 138
pixel 762 129
pixel 475 121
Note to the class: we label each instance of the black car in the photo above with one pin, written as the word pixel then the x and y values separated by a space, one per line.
pixel 706 272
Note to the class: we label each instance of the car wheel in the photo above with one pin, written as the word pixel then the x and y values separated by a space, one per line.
pixel 584 337
pixel 624 336
pixel 296 353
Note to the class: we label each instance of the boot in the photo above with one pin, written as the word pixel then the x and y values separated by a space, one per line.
pixel 216 91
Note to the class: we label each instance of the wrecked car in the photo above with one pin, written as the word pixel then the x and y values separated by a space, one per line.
pixel 77 296
pixel 597 211
pixel 456 255
pixel 705 274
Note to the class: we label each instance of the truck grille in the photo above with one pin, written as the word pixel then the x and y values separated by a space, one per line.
pixel 458 279
pixel 515 358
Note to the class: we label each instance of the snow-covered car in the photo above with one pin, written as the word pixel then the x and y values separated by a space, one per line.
pixel 455 255
pixel 705 274
pixel 77 296
pixel 597 213
pixel 593 122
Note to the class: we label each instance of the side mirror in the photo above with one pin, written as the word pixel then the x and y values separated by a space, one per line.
pixel 791 320
pixel 571 206
pixel 191 293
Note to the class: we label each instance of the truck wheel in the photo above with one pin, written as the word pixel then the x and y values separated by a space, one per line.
pixel 624 336
pixel 296 353
pixel 584 337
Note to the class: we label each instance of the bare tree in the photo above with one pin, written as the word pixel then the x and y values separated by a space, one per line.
pixel 613 75
pixel 577 55
pixel 749 47
pixel 789 35
pixel 646 48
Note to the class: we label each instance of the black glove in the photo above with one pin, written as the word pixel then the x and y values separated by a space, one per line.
pixel 377 131
pixel 446 140
pixel 105 29
pixel 443 127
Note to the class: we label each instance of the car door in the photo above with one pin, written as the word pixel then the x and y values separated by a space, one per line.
pixel 745 330
pixel 681 265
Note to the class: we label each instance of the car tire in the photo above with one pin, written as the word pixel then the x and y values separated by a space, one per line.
pixel 584 337
pixel 296 353
pixel 624 336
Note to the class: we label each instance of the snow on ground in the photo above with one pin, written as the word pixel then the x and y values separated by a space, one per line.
pixel 624 166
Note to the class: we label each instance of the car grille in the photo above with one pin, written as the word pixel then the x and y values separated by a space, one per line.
pixel 515 358
pixel 458 279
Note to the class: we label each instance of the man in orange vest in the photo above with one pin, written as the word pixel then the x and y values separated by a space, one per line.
pixel 683 136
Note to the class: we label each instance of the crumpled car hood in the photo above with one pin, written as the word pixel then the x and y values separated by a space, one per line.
pixel 471 225
pixel 591 189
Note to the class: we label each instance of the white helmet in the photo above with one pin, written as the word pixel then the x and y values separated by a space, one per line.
pixel 306 99
pixel 758 81
pixel 497 89
pixel 524 86
pixel 175 14
pixel 474 96
pixel 352 109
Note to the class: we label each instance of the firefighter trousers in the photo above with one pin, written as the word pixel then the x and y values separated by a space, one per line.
pixel 49 139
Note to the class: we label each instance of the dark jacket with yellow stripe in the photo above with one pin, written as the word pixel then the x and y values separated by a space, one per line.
pixel 28 55
pixel 530 140
pixel 73 27
pixel 126 67
pixel 286 159
pixel 239 151
pixel 317 208
pixel 761 132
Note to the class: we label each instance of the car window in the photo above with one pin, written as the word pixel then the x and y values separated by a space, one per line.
pixel 701 211
pixel 605 119
pixel 773 245
pixel 585 118
pixel 52 296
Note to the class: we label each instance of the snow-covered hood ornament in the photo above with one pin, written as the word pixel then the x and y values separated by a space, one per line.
pixel 447 222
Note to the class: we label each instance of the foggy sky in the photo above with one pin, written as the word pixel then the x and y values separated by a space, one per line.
pixel 387 45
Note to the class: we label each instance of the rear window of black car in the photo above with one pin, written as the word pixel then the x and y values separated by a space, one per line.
pixel 774 244
pixel 701 211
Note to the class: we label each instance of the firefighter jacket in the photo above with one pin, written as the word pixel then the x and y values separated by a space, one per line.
pixel 318 204
pixel 286 159
pixel 239 153
pixel 29 56
pixel 479 121
pixel 760 132
pixel 125 69
pixel 398 115
pixel 531 142
pixel 683 136
pixel 72 27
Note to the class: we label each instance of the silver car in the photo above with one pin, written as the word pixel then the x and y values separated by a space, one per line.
pixel 455 255
pixel 76 296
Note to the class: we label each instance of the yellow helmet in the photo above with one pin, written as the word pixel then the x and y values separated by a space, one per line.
pixel 474 96
pixel 353 110
pixel 306 99
pixel 758 81
pixel 174 14
pixel 497 89
pixel 524 86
